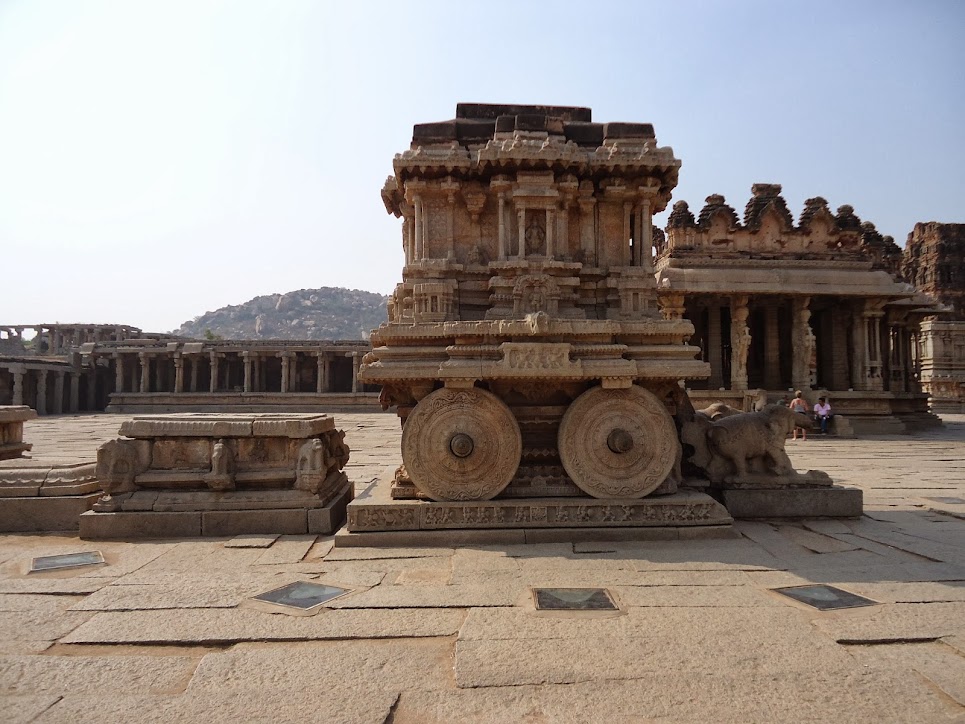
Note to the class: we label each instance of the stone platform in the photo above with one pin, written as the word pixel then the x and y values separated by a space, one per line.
pixel 375 518
pixel 221 474
pixel 146 514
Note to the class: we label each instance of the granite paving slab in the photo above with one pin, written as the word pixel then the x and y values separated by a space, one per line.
pixel 219 626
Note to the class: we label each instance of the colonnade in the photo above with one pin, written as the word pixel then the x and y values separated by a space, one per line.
pixel 49 389
pixel 793 342
pixel 59 339
pixel 215 371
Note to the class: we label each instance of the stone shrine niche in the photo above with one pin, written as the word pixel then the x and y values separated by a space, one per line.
pixel 534 241
pixel 432 301
pixel 533 294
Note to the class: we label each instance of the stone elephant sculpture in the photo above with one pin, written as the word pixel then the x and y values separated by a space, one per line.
pixel 118 462
pixel 752 443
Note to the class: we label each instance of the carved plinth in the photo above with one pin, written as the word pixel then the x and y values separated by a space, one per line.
pixel 235 460
pixel 374 510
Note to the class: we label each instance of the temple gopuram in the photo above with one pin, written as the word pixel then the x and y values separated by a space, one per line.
pixel 934 261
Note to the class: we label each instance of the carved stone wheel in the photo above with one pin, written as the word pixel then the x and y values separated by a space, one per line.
pixel 461 445
pixel 619 443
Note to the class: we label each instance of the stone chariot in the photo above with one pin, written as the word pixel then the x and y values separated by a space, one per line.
pixel 525 351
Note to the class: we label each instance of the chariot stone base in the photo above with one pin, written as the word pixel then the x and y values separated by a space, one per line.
pixel 815 502
pixel 375 518
pixel 189 514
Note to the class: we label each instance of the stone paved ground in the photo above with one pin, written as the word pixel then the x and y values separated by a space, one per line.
pixel 165 631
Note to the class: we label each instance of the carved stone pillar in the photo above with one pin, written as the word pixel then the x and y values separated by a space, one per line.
pixel 145 369
pixel 521 224
pixel 159 381
pixel 285 370
pixel 118 373
pixel 213 382
pixel 41 392
pixel 74 404
pixel 320 373
pixel 626 259
pixel 672 306
pixel 355 372
pixel 92 388
pixel 194 372
pixel 178 374
pixel 419 230
pixel 772 348
pixel 714 347
pixel 871 324
pixel 408 233
pixel 246 356
pixel 502 226
pixel 802 343
pixel 59 393
pixel 646 236
pixel 450 188
pixel 18 387
pixel 740 342
pixel 587 229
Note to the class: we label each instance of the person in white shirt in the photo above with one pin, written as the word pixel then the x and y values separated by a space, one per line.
pixel 822 411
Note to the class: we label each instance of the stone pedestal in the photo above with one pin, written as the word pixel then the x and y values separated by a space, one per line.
pixel 12 418
pixel 211 474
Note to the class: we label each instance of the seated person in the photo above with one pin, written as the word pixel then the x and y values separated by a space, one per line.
pixel 822 411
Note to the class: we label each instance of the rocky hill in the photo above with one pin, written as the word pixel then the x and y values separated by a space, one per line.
pixel 326 313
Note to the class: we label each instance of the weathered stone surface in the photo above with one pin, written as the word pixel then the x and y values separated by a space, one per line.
pixel 36 602
pixel 23 709
pixel 939 663
pixel 235 625
pixel 342 704
pixel 372 664
pixel 58 586
pixel 287 549
pixel 794 503
pixel 43 513
pixel 868 695
pixel 39 625
pixel 252 540
pixel 897 622
pixel 234 522
pixel 98 526
pixel 399 597
pixel 94 674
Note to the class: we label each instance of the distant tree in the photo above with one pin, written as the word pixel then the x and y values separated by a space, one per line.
pixel 211 336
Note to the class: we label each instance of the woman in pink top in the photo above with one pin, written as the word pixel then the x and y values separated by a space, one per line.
pixel 822 411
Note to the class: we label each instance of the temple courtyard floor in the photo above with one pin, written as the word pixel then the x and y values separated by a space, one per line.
pixel 166 630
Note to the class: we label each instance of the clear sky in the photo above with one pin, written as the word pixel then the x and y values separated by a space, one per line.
pixel 162 159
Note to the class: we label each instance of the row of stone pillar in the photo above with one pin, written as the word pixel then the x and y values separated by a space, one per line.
pixel 253 364
pixel 637 226
pixel 868 351
pixel 55 406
